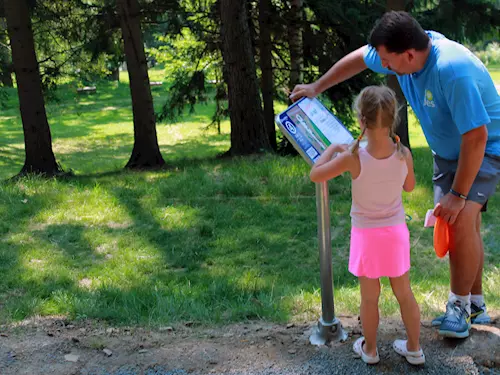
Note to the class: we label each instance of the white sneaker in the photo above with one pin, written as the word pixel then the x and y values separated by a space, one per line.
pixel 358 349
pixel 415 358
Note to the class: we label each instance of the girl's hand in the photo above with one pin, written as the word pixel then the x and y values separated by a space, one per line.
pixel 337 147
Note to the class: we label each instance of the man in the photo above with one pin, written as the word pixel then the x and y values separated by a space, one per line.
pixel 458 107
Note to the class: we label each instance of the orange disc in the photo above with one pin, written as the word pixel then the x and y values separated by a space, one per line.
pixel 441 237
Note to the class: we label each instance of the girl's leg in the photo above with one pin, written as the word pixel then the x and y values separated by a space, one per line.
pixel 409 310
pixel 370 292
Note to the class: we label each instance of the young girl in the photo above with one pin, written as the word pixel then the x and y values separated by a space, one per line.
pixel 380 241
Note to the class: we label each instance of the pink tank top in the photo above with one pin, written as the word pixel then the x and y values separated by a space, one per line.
pixel 377 191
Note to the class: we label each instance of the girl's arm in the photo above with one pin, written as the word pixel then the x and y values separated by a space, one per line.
pixel 409 184
pixel 327 168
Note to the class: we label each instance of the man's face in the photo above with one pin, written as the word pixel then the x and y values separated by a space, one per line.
pixel 400 63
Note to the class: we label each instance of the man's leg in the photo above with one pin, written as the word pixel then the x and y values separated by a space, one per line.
pixel 465 258
pixel 465 249
pixel 460 258
pixel 479 315
pixel 477 287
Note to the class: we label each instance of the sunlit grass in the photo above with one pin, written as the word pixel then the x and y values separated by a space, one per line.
pixel 208 240
pixel 495 73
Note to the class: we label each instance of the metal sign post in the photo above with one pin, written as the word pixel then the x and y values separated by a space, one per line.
pixel 310 127
pixel 329 327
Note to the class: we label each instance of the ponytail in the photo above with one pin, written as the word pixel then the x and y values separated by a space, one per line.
pixel 355 146
pixel 400 149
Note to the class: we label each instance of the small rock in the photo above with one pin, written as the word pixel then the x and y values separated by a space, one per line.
pixel 356 331
pixel 292 351
pixel 4 335
pixel 290 325
pixel 252 342
pixel 189 324
pixel 50 334
pixel 166 329
pixel 108 352
pixel 109 330
pixel 75 339
pixel 142 351
pixel 71 326
pixel 489 364
pixel 213 362
pixel 83 330
pixel 71 357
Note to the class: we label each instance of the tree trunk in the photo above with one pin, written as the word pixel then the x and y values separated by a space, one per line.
pixel 251 26
pixel 115 75
pixel 295 45
pixel 392 82
pixel 6 75
pixel 6 67
pixel 37 138
pixel 146 152
pixel 248 130
pixel 402 127
pixel 267 82
pixel 295 42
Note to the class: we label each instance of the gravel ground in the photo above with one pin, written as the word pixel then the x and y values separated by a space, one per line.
pixel 55 347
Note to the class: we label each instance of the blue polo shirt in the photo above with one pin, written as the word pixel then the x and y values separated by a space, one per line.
pixel 451 95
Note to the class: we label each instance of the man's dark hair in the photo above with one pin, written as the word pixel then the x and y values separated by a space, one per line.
pixel 398 32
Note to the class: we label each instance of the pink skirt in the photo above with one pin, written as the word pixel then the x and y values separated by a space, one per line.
pixel 379 252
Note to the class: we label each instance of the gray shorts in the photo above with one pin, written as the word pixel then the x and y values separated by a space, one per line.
pixel 483 187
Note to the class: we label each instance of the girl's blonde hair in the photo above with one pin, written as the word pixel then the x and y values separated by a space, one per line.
pixel 377 105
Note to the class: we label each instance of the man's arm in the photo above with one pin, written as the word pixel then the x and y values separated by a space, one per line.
pixel 347 67
pixel 470 116
pixel 471 156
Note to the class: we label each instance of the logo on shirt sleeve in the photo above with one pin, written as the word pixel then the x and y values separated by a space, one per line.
pixel 429 99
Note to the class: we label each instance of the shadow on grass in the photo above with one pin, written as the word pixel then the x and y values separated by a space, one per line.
pixel 215 241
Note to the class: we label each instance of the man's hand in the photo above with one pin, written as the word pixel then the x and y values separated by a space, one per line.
pixel 308 90
pixel 449 207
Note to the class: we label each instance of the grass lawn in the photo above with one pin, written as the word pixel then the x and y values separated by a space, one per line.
pixel 495 72
pixel 207 240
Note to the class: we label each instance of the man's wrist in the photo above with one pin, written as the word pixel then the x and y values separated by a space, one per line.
pixel 317 88
pixel 458 194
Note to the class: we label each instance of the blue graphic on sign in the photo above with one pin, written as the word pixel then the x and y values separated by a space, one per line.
pixel 299 137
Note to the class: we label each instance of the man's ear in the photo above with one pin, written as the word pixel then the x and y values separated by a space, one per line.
pixel 410 55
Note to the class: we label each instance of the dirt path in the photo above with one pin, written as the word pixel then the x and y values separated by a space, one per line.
pixel 50 346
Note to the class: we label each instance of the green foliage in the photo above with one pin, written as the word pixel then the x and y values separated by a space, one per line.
pixel 462 20
pixel 490 56
pixel 332 30
pixel 188 64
